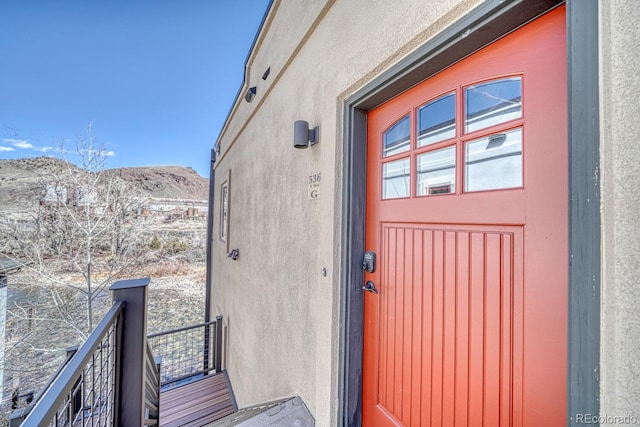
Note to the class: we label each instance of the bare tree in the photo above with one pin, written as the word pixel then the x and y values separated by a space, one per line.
pixel 83 235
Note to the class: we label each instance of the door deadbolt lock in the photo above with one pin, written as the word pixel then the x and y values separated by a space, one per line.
pixel 369 262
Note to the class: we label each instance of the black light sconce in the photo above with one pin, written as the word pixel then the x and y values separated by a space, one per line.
pixel 496 141
pixel 304 137
pixel 234 254
pixel 250 94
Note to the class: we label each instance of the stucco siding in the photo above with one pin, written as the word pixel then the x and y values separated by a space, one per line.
pixel 284 31
pixel 620 151
pixel 282 311
pixel 281 298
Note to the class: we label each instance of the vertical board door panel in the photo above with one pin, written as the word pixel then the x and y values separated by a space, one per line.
pixel 469 326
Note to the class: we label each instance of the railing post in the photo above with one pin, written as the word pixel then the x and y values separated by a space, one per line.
pixel 130 365
pixel 75 405
pixel 218 344
pixel 207 349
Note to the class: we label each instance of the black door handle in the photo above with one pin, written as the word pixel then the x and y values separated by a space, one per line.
pixel 370 287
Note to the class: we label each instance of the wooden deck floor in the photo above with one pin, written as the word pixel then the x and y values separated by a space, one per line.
pixel 197 403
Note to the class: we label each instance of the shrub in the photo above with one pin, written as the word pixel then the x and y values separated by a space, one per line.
pixel 175 246
pixel 155 243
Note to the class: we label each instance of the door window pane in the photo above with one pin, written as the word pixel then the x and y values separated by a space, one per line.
pixel 396 139
pixel 437 120
pixel 437 172
pixel 395 179
pixel 493 102
pixel 494 162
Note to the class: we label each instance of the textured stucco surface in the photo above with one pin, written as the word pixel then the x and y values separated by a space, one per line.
pixel 282 312
pixel 620 151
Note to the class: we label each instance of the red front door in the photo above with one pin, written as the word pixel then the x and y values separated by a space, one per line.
pixel 467 212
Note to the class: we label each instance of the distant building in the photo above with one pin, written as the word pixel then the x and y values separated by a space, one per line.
pixel 7 267
pixel 54 194
pixel 169 210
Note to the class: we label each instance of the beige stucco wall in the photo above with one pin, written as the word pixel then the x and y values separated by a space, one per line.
pixel 282 312
pixel 620 154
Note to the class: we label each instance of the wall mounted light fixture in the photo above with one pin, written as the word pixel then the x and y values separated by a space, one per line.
pixel 250 94
pixel 303 137
pixel 496 140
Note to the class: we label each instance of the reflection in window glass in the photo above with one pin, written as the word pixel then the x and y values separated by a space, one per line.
pixel 494 162
pixel 224 214
pixel 437 172
pixel 396 139
pixel 493 102
pixel 437 120
pixel 395 179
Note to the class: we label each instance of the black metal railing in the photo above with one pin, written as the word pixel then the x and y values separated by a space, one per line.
pixel 21 408
pixel 114 378
pixel 84 391
pixel 188 352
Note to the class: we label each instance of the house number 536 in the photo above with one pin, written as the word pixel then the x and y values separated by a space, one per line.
pixel 313 193
pixel 314 179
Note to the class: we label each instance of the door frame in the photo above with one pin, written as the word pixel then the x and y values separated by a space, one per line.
pixel 486 23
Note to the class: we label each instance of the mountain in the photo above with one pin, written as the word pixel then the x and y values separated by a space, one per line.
pixel 171 182
pixel 19 177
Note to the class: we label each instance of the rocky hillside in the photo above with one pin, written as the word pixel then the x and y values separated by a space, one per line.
pixel 19 177
pixel 172 182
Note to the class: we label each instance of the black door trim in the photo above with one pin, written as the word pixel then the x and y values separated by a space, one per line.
pixel 484 24
pixel 583 356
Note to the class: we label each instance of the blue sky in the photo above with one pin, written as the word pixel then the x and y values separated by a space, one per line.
pixel 155 79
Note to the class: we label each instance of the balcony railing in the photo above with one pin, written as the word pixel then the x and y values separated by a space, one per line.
pixel 113 378
pixel 85 388
pixel 188 352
